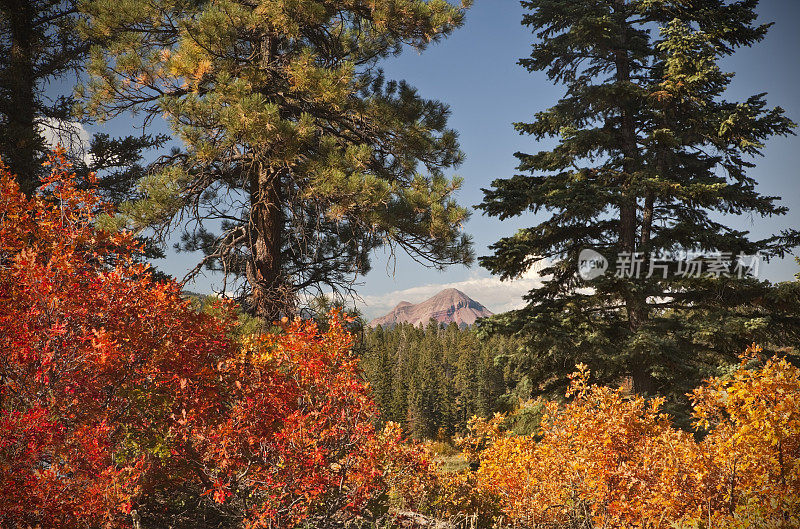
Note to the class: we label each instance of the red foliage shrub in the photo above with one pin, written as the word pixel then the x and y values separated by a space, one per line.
pixel 119 401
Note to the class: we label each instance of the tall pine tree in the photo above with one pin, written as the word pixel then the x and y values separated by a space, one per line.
pixel 649 157
pixel 296 147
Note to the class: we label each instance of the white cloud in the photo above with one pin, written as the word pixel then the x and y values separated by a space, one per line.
pixel 498 296
pixel 72 135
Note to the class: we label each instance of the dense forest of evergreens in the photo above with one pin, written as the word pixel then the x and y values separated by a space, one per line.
pixel 432 380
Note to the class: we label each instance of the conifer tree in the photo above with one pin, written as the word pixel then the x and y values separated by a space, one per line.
pixel 378 363
pixel 36 47
pixel 295 146
pixel 40 49
pixel 467 380
pixel 649 156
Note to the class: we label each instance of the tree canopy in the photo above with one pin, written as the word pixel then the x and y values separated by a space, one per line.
pixel 299 157
pixel 650 158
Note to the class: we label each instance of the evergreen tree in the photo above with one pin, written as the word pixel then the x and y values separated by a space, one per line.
pixel 424 415
pixel 37 46
pixel 40 48
pixel 650 155
pixel 434 379
pixel 492 387
pixel 403 347
pixel 296 147
pixel 378 362
pixel 119 164
pixel 467 380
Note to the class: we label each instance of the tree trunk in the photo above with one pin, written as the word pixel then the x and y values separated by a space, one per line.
pixel 23 142
pixel 639 310
pixel 270 298
pixel 635 302
pixel 629 146
pixel 647 223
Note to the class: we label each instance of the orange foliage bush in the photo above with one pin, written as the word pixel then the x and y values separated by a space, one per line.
pixel 121 403
pixel 754 446
pixel 611 460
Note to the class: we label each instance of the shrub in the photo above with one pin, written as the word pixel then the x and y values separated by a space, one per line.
pixel 121 404
pixel 607 459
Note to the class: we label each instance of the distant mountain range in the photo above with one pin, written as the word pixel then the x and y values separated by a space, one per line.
pixel 448 306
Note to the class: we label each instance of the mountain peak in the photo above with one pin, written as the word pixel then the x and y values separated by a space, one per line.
pixel 448 306
pixel 451 293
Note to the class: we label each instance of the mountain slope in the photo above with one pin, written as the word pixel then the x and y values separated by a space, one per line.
pixel 448 306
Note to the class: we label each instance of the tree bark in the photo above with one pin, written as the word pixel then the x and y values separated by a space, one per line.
pixel 635 302
pixel 647 222
pixel 23 139
pixel 270 298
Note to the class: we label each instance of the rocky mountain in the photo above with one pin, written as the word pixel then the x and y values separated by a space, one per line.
pixel 448 306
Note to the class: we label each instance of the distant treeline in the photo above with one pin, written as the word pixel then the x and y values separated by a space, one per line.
pixel 431 380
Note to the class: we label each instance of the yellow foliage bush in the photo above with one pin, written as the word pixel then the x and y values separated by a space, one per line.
pixel 607 459
pixel 754 445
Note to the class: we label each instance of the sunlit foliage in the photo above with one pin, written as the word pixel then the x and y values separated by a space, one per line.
pixel 120 404
pixel 610 459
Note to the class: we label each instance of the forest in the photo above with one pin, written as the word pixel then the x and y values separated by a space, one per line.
pixel 649 380
pixel 432 380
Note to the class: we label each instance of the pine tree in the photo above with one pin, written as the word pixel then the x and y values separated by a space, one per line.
pixel 378 361
pixel 403 347
pixel 492 387
pixel 467 379
pixel 296 147
pixel 650 155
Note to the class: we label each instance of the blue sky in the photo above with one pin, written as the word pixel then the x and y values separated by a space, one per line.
pixel 475 72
